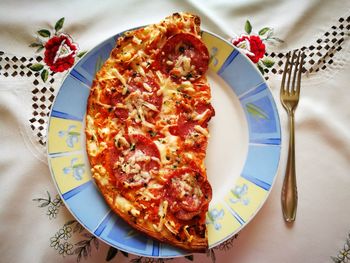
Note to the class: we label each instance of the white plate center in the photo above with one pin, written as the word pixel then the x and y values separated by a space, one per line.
pixel 228 144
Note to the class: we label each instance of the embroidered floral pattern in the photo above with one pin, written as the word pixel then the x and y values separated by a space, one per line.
pixel 61 241
pixel 344 254
pixel 60 51
pixel 254 45
pixel 52 205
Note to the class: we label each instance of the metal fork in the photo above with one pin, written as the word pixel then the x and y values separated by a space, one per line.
pixel 289 95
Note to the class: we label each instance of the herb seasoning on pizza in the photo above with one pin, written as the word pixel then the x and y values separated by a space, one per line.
pixel 147 134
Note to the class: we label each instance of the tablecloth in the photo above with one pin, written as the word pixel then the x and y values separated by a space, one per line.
pixel 35 224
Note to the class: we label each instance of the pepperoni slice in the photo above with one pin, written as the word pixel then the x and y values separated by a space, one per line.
pixel 202 107
pixel 184 56
pixel 132 167
pixel 143 84
pixel 145 145
pixel 188 193
pixel 121 113
pixel 183 127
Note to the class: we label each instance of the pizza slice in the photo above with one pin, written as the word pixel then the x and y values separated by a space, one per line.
pixel 147 131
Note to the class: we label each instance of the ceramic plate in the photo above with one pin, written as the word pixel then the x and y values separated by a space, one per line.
pixel 242 159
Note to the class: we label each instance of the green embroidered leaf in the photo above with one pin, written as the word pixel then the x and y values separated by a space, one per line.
pixel 45 203
pixel 44 33
pixel 276 39
pixel 36 45
pixel 264 30
pixel 260 69
pixel 268 62
pixel 39 49
pixel 336 260
pixel 248 27
pixel 59 24
pixel 112 252
pixel 96 243
pixel 211 254
pixel 256 111
pixel 82 243
pixel 189 257
pixel 36 67
pixel 80 54
pixel 44 75
pixel 125 254
pixel 88 235
pixel 70 222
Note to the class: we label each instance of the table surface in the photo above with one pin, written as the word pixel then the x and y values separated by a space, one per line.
pixel 35 224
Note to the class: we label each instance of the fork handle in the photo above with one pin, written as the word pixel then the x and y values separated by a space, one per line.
pixel 289 188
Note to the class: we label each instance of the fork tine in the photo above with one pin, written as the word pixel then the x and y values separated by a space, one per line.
pixel 285 72
pixel 289 89
pixel 300 71
pixel 295 72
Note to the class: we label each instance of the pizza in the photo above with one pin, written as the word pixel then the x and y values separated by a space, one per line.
pixel 147 131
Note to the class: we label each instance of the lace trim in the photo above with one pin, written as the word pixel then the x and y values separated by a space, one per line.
pixel 321 55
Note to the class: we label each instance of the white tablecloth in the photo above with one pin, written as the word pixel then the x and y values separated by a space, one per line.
pixel 321 28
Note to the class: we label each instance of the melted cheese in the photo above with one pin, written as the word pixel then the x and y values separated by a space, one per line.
pixel 183 66
pixel 162 211
pixel 201 130
pixel 119 140
pixel 145 194
pixel 104 132
pixel 100 173
pixel 202 116
pixel 188 236
pixel 125 206
pixel 114 72
pixel 167 147
pixel 170 225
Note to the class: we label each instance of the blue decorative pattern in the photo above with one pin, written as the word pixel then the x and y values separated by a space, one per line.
pixel 261 113
pixel 94 210
pixel 86 67
pixel 71 99
pixel 240 73
pixel 261 165
pixel 120 234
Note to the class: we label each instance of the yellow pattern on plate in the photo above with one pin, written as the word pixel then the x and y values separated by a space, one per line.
pixel 218 49
pixel 64 135
pixel 221 223
pixel 69 171
pixel 245 198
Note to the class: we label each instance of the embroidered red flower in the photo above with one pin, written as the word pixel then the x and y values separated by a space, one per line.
pixel 60 52
pixel 252 46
